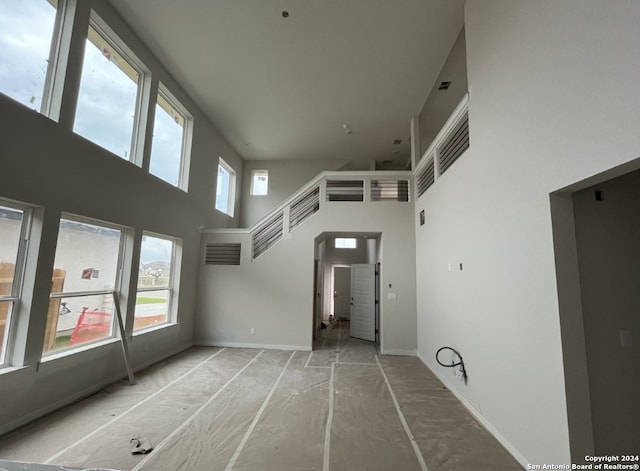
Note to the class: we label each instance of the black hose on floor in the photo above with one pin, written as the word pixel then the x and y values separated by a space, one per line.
pixel 453 364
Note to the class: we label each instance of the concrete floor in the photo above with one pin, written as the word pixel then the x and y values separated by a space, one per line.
pixel 340 407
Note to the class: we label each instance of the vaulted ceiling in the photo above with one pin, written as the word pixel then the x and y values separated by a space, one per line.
pixel 281 78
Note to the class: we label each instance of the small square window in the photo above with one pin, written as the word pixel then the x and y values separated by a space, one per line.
pixel 225 188
pixel 259 182
pixel 346 243
pixel 108 98
pixel 169 152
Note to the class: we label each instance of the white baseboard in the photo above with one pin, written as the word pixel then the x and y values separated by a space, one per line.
pixel 480 418
pixel 265 346
pixel 408 353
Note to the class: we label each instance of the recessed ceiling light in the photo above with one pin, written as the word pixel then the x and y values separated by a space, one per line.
pixel 285 14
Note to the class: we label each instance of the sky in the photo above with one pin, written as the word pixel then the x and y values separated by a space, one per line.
pixel 107 97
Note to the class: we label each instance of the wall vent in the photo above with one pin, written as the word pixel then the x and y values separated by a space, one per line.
pixel 268 234
pixel 304 207
pixel 345 190
pixel 425 178
pixel 454 145
pixel 390 190
pixel 221 254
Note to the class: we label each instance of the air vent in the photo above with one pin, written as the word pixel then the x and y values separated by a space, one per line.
pixel 425 178
pixel 397 141
pixel 456 142
pixel 444 85
pixel 304 207
pixel 390 190
pixel 345 190
pixel 268 234
pixel 221 254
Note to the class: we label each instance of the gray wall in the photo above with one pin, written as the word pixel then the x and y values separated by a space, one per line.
pixel 542 115
pixel 45 164
pixel 608 241
pixel 285 178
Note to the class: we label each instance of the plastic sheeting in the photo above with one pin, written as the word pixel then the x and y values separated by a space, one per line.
pixel 243 409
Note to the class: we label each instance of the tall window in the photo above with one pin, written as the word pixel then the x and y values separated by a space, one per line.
pixel 26 31
pixel 14 223
pixel 85 275
pixel 225 188
pixel 259 182
pixel 169 149
pixel 155 281
pixel 107 100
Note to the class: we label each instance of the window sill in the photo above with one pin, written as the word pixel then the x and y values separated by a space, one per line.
pixel 51 357
pixel 154 328
pixel 7 370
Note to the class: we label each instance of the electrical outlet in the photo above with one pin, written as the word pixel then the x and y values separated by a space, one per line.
pixel 252 331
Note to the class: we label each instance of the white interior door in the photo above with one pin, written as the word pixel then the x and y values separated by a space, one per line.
pixel 363 301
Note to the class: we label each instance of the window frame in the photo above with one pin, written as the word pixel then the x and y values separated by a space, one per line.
pixel 257 173
pixel 15 297
pixel 231 190
pixel 345 245
pixel 117 285
pixel 187 132
pixel 138 131
pixel 171 288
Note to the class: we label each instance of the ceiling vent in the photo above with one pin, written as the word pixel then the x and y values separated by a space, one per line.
pixel 397 141
pixel 221 254
pixel 444 85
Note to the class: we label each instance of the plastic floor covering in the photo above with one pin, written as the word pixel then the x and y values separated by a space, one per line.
pixel 341 407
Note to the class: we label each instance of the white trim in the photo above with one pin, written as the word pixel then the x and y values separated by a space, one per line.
pixel 264 346
pixel 408 353
pixel 480 418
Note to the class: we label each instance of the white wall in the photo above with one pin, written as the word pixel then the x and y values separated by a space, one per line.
pixel 274 293
pixel 285 178
pixel 44 163
pixel 543 115
pixel 608 242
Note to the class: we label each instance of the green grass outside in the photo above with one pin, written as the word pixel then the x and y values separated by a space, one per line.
pixel 62 342
pixel 142 300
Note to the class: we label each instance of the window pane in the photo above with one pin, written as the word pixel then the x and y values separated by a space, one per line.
pixel 26 29
pixel 222 190
pixel 107 97
pixel 168 138
pixel 80 320
pixel 154 281
pixel 10 228
pixel 348 243
pixel 152 307
pixel 86 259
pixel 260 182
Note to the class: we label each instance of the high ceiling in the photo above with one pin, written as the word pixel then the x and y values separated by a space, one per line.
pixel 282 88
